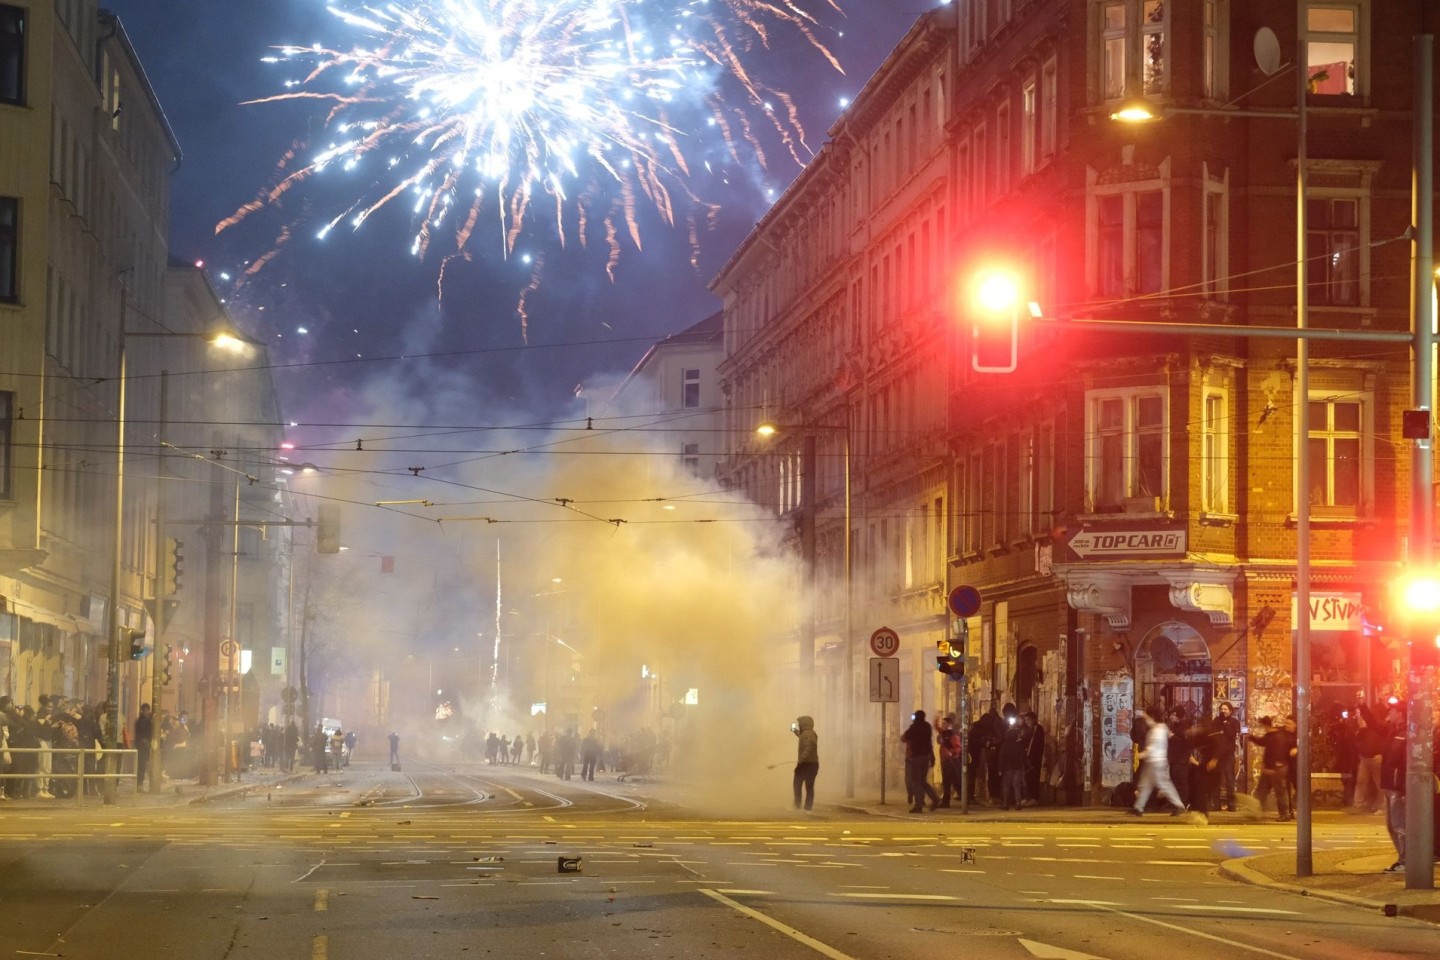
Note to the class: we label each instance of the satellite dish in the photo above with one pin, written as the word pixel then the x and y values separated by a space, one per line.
pixel 1267 51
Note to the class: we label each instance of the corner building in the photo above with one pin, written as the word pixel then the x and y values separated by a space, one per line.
pixel 1124 502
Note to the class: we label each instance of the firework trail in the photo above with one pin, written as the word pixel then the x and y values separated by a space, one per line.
pixel 479 114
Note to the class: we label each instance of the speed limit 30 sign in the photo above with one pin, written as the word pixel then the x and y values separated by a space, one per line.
pixel 885 642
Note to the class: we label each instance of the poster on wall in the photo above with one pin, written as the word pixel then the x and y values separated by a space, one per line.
pixel 1117 697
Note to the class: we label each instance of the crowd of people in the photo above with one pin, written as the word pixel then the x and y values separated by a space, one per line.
pixel 636 754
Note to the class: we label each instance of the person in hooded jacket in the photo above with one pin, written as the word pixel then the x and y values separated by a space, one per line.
pixel 807 759
pixel 919 740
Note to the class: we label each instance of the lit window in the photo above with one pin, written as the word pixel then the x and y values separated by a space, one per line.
pixel 1215 455
pixel 1029 102
pixel 1133 48
pixel 1049 105
pixel 1128 450
pixel 1332 47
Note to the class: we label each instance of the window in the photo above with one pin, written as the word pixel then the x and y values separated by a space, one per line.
pixel 1025 496
pixel 1215 454
pixel 1003 155
pixel 1028 106
pixel 12 54
pixel 7 423
pixel 974 505
pixel 1215 63
pixel 9 249
pixel 1132 53
pixel 690 456
pixel 1339 460
pixel 1129 241
pixel 1333 233
pixel 1333 47
pixel 691 389
pixel 1215 251
pixel 1049 108
pixel 977 179
pixel 1128 449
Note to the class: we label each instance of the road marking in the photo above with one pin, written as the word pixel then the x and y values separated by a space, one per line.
pixel 1045 951
pixel 320 947
pixel 1208 906
pixel 322 900
pixel 789 931
pixel 747 893
pixel 897 896
pixel 961 871
pixel 1194 933
pixel 1091 876
pixel 1177 863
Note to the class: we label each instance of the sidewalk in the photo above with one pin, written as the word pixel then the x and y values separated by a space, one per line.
pixel 175 793
pixel 1353 877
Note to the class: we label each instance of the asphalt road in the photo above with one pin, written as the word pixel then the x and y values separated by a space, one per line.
pixel 451 862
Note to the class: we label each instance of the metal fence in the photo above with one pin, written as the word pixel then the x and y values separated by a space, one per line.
pixel 109 765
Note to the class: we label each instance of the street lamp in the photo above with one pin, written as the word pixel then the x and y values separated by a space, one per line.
pixel 1421 339
pixel 807 633
pixel 229 339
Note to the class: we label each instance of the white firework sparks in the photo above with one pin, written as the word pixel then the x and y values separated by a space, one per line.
pixel 474 109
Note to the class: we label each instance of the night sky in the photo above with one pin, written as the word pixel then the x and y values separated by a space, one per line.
pixel 363 293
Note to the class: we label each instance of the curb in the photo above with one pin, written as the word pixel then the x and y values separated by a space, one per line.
pixel 241 790
pixel 1238 870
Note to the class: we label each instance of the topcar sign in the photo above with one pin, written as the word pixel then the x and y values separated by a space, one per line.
pixel 1127 543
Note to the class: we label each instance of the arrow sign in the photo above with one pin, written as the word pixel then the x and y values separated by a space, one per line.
pixel 1122 544
pixel 1046 951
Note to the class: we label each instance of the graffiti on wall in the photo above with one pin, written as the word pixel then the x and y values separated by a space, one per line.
pixel 1117 699
pixel 1272 693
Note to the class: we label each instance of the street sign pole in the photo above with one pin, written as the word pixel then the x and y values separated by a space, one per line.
pixel 882 753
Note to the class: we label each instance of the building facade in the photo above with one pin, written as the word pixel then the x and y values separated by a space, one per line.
pixel 1123 502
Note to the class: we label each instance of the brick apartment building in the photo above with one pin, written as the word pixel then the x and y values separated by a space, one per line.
pixel 1123 502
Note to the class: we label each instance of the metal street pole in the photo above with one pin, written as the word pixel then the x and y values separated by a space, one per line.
pixel 1304 858
pixel 112 612
pixel 808 495
pixel 232 662
pixel 210 679
pixel 1420 765
pixel 157 686
pixel 851 693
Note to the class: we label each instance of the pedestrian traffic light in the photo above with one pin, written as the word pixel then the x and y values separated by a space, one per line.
pixel 135 641
pixel 327 534
pixel 174 561
pixel 950 665
pixel 994 310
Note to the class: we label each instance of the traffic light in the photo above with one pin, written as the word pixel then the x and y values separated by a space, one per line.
pixel 1417 600
pixel 994 310
pixel 135 640
pixel 950 665
pixel 166 663
pixel 327 534
pixel 174 566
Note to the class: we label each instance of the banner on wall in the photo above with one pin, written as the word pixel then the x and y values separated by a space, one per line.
pixel 1332 612
pixel 1117 699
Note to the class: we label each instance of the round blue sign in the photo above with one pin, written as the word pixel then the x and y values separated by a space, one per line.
pixel 965 601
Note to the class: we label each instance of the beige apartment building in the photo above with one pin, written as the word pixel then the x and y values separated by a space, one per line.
pixel 86 155
pixel 1124 503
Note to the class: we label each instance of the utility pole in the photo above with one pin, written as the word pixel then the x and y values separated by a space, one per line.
pixel 214 590
pixel 159 614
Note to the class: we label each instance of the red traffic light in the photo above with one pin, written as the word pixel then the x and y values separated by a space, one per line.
pixel 995 301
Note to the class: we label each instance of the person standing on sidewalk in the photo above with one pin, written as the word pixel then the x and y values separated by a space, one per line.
pixel 144 732
pixel 1155 770
pixel 1369 744
pixel 1227 726
pixel 807 759
pixel 1012 764
pixel 919 740
pixel 394 748
pixel 1392 781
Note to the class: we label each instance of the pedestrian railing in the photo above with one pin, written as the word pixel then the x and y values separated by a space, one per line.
pixel 110 765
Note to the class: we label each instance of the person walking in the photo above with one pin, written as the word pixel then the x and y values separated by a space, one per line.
pixel 1392 781
pixel 589 754
pixel 1277 747
pixel 919 740
pixel 394 749
pixel 807 761
pixel 144 735
pixel 1155 768
pixel 951 758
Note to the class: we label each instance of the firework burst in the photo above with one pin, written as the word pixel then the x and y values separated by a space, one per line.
pixel 476 112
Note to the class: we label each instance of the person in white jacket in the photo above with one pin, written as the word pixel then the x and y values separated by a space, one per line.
pixel 1155 771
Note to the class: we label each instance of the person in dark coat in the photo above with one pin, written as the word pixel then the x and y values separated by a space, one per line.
pixel 1012 764
pixel 1228 727
pixel 1034 737
pixel 976 748
pixel 807 760
pixel 1392 781
pixel 1277 747
pixel 1343 729
pixel 948 740
pixel 144 732
pixel 1179 753
pixel 589 754
pixel 919 740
